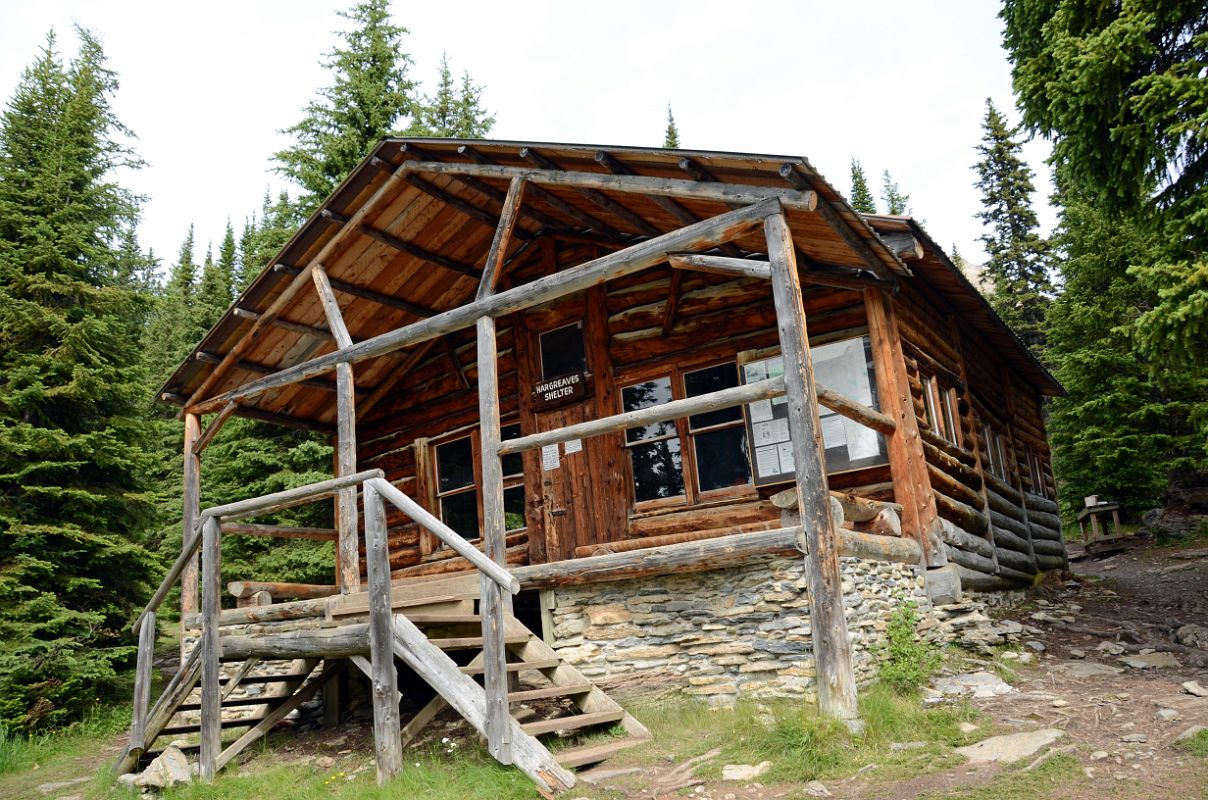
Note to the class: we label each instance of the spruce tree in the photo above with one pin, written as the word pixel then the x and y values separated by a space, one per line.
pixel 369 94
pixel 1018 267
pixel 897 202
pixel 473 121
pixel 213 294
pixel 671 136
pixel 452 112
pixel 861 196
pixel 73 444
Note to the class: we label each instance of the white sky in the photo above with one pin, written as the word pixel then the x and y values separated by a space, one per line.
pixel 206 86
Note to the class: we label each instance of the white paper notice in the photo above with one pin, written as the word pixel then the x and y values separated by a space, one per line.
pixel 573 446
pixel 780 430
pixel 761 411
pixel 549 457
pixel 833 434
pixel 787 462
pixel 766 461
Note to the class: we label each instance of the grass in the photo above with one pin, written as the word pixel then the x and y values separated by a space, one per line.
pixel 19 753
pixel 1197 745
pixel 801 745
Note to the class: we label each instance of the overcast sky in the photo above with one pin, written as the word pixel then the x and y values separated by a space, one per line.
pixel 207 86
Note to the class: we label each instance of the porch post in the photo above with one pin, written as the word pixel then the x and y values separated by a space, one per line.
pixel 832 647
pixel 907 461
pixel 192 501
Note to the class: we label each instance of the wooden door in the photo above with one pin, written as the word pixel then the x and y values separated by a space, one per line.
pixel 568 486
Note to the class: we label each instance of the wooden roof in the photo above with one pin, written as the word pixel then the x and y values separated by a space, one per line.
pixel 419 252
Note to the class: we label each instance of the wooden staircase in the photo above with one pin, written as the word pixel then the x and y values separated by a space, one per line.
pixel 548 698
pixel 570 706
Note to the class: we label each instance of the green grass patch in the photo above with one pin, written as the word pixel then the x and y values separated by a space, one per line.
pixel 1197 745
pixel 19 753
pixel 801 744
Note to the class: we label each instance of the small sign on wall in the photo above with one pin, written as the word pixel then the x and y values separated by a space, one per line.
pixel 562 390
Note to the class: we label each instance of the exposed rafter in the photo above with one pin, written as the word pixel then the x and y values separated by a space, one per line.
pixel 636 223
pixel 367 294
pixel 404 246
pixel 265 369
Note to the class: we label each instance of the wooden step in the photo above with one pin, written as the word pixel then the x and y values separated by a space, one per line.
pixel 475 642
pixel 515 666
pixel 194 727
pixel 250 679
pixel 231 702
pixel 573 757
pixel 551 691
pixel 422 619
pixel 572 723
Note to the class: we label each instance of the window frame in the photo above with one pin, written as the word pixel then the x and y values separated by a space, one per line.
pixel 510 480
pixel 692 495
pixel 995 462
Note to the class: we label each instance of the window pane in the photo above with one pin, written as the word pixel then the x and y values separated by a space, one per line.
pixel 721 458
pixel 562 351
pixel 513 508
pixel 705 381
pixel 513 463
pixel 846 367
pixel 643 395
pixel 455 464
pixel 658 470
pixel 460 512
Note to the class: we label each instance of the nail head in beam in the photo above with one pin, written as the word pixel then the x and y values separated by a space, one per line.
pixel 702 236
pixel 721 265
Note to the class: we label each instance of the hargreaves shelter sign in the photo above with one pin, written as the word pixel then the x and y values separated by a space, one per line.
pixel 561 390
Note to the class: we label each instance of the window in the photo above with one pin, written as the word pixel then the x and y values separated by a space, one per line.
pixel 457 484
pixel 715 457
pixel 940 405
pixel 654 450
pixel 846 367
pixel 1036 472
pixel 562 351
pixel 456 488
pixel 995 458
pixel 719 440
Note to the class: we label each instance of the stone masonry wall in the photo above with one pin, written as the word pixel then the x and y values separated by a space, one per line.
pixel 741 632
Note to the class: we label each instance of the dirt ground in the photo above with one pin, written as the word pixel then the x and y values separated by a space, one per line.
pixel 1135 602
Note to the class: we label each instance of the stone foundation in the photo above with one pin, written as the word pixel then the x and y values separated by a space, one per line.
pixel 741 632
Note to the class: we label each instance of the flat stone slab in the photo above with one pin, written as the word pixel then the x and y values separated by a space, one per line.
pixel 1151 661
pixel 1086 669
pixel 977 684
pixel 1010 748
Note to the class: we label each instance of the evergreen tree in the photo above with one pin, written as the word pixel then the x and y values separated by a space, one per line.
pixel 1120 90
pixel 72 442
pixel 861 196
pixel 452 112
pixel 1122 429
pixel 671 137
pixel 228 257
pixel 896 201
pixel 369 94
pixel 1018 266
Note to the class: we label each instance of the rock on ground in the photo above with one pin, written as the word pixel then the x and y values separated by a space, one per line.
pixel 168 769
pixel 744 772
pixel 978 684
pixel 1010 748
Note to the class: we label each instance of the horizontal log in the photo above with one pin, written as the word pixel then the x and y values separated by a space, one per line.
pixel 801 200
pixel 294 591
pixel 278 612
pixel 946 484
pixel 855 508
pixel 1004 537
pixel 959 537
pixel 1000 520
pixel 726 398
pixel 900 549
pixel 721 265
pixel 1005 489
pixel 959 453
pixel 841 404
pixel 1015 560
pixel 962 514
pixel 1048 563
pixel 1037 503
pixel 969 560
pixel 340 642
pixel 1041 532
pixel 286 499
pixel 955 467
pixel 645 542
pixel 279 531
pixel 702 235
pixel 978 581
pixel 1003 506
pixel 1044 518
pixel 1048 547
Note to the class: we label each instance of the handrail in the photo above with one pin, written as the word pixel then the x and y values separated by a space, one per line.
pixel 469 552
pixel 247 508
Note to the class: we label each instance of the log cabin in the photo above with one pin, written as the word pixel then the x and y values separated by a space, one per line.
pixel 600 414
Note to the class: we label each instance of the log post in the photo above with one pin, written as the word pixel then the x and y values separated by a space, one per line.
pixel 192 503
pixel 211 691
pixel 493 605
pixel 832 647
pixel 907 461
pixel 348 557
pixel 142 682
pixel 387 741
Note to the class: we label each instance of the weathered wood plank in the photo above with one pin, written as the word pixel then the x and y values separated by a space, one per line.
pixel 500 243
pixel 721 265
pixel 299 591
pixel 214 427
pixel 142 683
pixel 832 645
pixel 211 647
pixel 192 496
